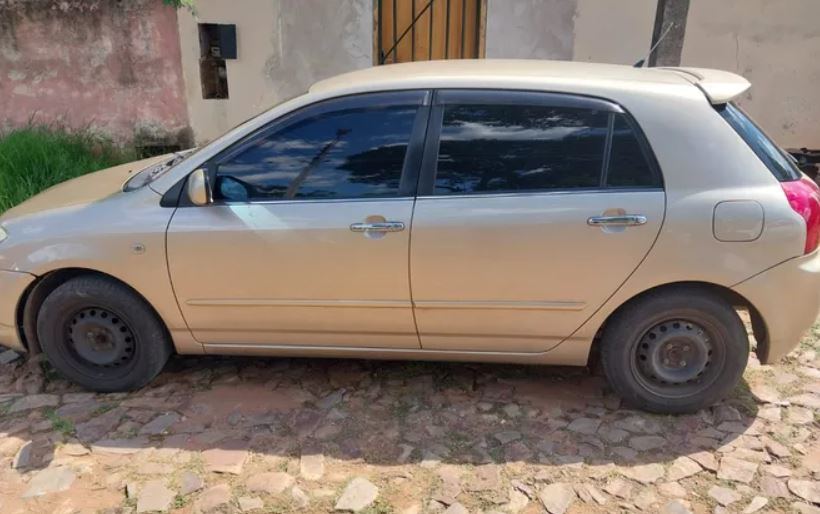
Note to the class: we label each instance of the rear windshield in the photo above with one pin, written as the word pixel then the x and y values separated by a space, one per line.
pixel 778 161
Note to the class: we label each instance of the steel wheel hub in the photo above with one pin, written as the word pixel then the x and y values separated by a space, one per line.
pixel 674 353
pixel 100 338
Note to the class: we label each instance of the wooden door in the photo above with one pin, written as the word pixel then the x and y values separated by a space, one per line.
pixel 421 30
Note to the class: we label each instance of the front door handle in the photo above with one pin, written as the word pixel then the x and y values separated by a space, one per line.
pixel 623 220
pixel 379 226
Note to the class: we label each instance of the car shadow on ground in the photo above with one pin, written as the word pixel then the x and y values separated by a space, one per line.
pixel 229 410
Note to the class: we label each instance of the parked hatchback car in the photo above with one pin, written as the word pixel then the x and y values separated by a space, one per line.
pixel 506 211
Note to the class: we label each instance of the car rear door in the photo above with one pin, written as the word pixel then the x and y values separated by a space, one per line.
pixel 533 209
pixel 307 240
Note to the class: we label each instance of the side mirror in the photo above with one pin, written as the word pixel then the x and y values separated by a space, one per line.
pixel 198 189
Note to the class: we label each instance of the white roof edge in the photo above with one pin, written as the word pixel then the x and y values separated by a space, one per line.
pixel 719 86
pixel 478 71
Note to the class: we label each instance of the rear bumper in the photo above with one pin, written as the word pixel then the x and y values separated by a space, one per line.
pixel 787 297
pixel 12 286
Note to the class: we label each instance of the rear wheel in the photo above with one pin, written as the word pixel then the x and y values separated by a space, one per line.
pixel 101 335
pixel 675 350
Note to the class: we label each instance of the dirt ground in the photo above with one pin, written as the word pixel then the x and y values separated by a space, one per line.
pixel 288 435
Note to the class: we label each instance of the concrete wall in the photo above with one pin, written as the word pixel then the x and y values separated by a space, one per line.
pixel 776 45
pixel 530 29
pixel 283 47
pixel 109 65
pixel 613 32
pixel 132 67
pixel 582 30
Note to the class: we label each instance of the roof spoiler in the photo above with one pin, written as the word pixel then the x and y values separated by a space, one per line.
pixel 719 86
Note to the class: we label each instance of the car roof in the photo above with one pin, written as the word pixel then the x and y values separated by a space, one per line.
pixel 487 69
pixel 518 72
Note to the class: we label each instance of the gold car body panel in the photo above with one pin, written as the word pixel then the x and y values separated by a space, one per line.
pixel 79 192
pixel 13 284
pixel 521 272
pixel 785 321
pixel 704 162
pixel 89 223
pixel 294 273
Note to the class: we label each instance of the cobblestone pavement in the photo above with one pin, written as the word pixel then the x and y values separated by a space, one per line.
pixel 282 435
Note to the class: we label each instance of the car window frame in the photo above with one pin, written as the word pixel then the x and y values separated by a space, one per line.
pixel 646 150
pixel 444 97
pixel 408 181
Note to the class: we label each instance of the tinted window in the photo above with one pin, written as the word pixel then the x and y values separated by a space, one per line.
pixel 628 166
pixel 357 153
pixel 772 156
pixel 501 148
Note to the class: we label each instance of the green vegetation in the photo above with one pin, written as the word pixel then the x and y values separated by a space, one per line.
pixel 35 158
pixel 380 506
pixel 49 373
pixel 102 409
pixel 180 501
pixel 188 4
pixel 62 425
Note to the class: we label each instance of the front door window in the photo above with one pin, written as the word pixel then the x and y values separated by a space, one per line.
pixel 352 153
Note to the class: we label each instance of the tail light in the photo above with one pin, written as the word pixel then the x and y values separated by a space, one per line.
pixel 804 197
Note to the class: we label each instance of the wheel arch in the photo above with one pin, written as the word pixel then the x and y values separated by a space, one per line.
pixel 728 295
pixel 32 299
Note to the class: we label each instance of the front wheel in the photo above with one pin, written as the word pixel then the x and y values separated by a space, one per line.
pixel 675 351
pixel 100 334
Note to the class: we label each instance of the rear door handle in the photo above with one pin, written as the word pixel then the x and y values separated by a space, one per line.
pixel 379 226
pixel 624 220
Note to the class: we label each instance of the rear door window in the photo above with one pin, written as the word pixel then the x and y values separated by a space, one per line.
pixel 517 142
pixel 513 148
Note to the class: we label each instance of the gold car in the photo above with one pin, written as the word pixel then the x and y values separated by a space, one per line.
pixel 510 211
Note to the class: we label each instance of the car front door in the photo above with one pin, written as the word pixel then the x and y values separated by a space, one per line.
pixel 533 209
pixel 306 241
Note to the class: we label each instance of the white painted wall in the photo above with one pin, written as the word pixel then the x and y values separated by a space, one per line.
pixel 583 30
pixel 613 32
pixel 530 29
pixel 284 46
pixel 776 45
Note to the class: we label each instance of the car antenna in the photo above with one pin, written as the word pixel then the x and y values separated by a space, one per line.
pixel 640 63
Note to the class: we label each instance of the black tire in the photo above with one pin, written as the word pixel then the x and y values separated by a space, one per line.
pixel 675 351
pixel 100 334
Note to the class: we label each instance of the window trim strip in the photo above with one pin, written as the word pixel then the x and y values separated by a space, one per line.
pixel 610 126
pixel 446 96
pixel 546 192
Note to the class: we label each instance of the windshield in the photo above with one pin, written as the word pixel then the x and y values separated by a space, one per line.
pixel 777 160
pixel 153 172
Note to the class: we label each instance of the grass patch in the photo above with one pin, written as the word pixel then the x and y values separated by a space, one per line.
pixel 49 373
pixel 380 506
pixel 180 501
pixel 102 409
pixel 59 424
pixel 37 157
pixel 743 399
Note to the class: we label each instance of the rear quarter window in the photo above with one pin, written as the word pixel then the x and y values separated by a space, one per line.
pixel 629 163
pixel 778 162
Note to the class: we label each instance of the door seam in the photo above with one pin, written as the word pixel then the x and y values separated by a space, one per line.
pixel 421 170
pixel 410 272
pixel 171 280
